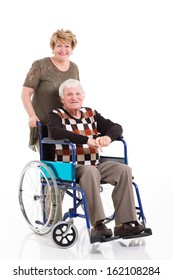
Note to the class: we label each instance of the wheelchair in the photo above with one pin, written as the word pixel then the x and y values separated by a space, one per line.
pixel 42 187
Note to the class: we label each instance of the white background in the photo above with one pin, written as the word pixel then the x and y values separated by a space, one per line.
pixel 125 57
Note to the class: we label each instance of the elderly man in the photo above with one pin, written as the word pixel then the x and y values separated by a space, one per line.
pixel 90 132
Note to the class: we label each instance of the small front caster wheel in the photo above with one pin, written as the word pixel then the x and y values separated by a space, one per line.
pixel 64 234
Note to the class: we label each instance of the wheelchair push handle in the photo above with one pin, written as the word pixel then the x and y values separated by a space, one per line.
pixel 39 124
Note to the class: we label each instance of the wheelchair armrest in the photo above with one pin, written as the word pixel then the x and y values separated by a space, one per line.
pixel 123 159
pixel 47 140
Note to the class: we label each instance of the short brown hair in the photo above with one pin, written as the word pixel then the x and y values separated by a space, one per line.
pixel 63 35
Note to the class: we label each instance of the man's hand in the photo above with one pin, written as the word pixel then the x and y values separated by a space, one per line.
pixel 94 144
pixel 103 141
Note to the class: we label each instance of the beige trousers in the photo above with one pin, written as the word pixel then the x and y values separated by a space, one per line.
pixel 120 177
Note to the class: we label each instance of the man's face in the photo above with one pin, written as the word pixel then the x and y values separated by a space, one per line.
pixel 73 98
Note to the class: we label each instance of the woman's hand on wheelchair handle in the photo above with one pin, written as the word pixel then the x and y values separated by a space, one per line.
pixel 33 121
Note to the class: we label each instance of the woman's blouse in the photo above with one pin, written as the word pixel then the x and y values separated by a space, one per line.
pixel 45 78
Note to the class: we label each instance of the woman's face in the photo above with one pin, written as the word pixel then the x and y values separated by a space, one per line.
pixel 62 50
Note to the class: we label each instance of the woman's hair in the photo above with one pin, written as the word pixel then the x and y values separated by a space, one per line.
pixel 64 36
pixel 70 83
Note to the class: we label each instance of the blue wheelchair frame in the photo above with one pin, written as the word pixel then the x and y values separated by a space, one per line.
pixel 60 171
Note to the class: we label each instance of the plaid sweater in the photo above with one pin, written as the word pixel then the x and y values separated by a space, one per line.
pixel 62 125
pixel 86 126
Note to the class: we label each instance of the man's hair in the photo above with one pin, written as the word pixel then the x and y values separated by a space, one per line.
pixel 70 83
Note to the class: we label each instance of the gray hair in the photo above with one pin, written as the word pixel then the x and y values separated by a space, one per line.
pixel 70 83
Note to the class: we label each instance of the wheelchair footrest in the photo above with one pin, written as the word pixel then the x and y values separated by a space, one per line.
pixel 97 238
pixel 144 233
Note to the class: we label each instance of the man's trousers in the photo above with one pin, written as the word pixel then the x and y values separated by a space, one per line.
pixel 120 177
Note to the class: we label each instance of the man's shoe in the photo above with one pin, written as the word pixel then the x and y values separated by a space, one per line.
pixel 128 229
pixel 101 230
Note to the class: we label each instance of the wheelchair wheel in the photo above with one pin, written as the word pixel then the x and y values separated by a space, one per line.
pixel 64 234
pixel 39 197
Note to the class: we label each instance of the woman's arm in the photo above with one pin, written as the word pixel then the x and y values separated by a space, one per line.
pixel 26 99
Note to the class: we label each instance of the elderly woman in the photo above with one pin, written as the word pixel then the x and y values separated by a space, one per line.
pixel 90 132
pixel 40 88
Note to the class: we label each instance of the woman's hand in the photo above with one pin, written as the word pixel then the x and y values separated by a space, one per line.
pixel 33 121
pixel 26 99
